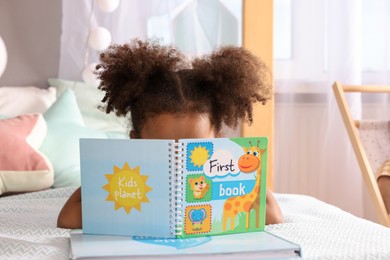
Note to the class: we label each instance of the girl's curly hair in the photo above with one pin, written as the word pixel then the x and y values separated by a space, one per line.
pixel 144 78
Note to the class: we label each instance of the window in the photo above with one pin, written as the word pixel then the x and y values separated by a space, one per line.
pixel 198 26
pixel 305 41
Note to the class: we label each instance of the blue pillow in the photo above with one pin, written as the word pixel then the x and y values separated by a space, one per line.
pixel 88 98
pixel 65 127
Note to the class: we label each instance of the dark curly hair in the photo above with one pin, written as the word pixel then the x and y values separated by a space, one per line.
pixel 146 78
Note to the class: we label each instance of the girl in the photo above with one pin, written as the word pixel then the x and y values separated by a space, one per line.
pixel 170 97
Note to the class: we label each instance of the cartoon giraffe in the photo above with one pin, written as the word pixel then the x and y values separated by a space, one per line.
pixel 247 163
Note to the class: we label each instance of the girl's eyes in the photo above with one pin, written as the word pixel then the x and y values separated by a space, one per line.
pixel 196 183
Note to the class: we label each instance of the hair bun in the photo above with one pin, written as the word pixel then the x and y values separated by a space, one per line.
pixel 127 71
pixel 236 79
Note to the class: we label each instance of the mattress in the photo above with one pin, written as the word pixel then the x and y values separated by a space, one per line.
pixel 28 228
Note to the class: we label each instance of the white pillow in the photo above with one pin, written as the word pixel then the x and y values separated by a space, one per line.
pixel 24 100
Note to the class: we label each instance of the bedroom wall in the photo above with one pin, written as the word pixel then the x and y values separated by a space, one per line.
pixel 31 31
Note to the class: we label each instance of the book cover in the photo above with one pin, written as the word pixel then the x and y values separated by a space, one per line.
pixel 254 245
pixel 168 189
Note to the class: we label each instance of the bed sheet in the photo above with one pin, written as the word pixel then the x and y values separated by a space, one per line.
pixel 326 232
pixel 28 228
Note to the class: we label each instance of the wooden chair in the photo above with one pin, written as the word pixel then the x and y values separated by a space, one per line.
pixel 361 155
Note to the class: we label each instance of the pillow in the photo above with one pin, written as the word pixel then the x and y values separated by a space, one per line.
pixel 65 126
pixel 88 99
pixel 24 100
pixel 22 166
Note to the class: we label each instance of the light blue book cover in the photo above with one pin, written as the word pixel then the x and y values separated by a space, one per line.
pixel 125 187
pixel 168 189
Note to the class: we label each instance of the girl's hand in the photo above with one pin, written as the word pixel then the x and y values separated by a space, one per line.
pixel 70 215
pixel 273 214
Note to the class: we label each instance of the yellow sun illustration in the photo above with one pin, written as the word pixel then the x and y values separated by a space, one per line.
pixel 127 188
pixel 199 155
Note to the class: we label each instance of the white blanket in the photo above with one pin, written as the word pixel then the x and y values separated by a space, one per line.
pixel 28 228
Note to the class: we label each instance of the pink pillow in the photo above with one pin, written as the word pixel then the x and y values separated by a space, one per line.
pixel 22 166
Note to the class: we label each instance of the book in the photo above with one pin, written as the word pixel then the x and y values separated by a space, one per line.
pixel 254 245
pixel 168 189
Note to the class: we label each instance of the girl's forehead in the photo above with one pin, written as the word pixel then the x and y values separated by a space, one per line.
pixel 177 126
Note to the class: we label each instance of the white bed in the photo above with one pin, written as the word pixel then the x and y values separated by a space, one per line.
pixel 28 228
pixel 28 221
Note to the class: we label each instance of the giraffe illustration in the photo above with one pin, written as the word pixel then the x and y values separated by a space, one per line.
pixel 249 162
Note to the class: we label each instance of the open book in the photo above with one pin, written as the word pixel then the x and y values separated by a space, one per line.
pixel 168 189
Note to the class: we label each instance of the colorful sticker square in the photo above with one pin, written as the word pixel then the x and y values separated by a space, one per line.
pixel 198 188
pixel 197 154
pixel 197 219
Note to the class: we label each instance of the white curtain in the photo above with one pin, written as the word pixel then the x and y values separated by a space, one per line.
pixel 195 26
pixel 317 43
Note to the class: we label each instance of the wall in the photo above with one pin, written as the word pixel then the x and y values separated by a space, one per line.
pixel 31 31
pixel 302 171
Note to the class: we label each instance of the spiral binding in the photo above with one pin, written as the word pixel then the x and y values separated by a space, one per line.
pixel 177 185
